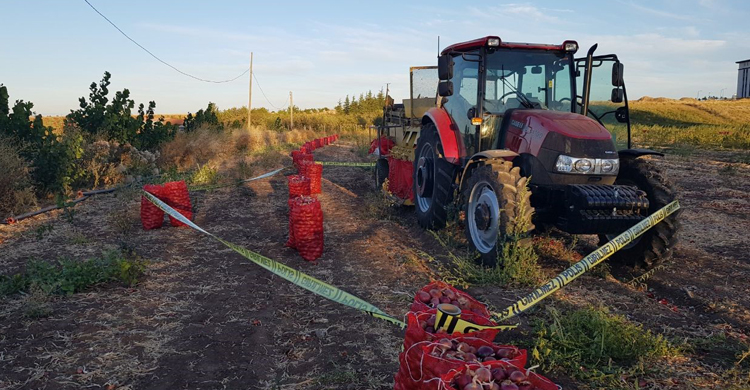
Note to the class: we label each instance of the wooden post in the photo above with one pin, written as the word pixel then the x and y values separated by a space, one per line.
pixel 250 94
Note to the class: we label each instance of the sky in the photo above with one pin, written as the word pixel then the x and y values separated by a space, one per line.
pixel 50 51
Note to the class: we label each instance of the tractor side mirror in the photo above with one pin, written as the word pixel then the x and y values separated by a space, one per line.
pixel 617 79
pixel 621 115
pixel 445 88
pixel 445 67
pixel 617 95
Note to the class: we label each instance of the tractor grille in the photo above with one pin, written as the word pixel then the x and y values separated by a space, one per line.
pixel 602 209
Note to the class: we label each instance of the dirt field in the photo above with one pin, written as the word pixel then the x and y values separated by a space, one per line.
pixel 205 318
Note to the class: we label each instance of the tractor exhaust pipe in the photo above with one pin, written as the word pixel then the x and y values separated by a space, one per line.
pixel 587 79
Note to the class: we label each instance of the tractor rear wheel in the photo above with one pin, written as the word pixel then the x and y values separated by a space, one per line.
pixel 381 172
pixel 497 208
pixel 433 180
pixel 655 245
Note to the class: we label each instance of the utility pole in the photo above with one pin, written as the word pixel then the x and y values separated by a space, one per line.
pixel 291 111
pixel 250 94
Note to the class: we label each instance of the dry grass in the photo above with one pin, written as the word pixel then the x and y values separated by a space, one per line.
pixel 205 146
pixel 16 193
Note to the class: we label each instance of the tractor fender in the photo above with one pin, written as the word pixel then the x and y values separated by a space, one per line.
pixel 474 161
pixel 635 153
pixel 447 131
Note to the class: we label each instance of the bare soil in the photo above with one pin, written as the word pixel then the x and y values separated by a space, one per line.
pixel 206 318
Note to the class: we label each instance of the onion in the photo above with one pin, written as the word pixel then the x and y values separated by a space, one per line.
pixel 463 380
pixel 489 359
pixel 429 329
pixel 485 351
pixel 498 374
pixel 483 374
pixel 470 357
pixel 450 294
pixel 444 299
pixel 434 302
pixel 525 385
pixel 517 376
pixel 445 343
pixel 504 353
pixel 508 385
pixel 430 321
pixel 424 296
pixel 463 347
pixel 473 386
pixel 491 386
pixel 435 293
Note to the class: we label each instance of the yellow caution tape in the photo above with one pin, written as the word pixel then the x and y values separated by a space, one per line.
pixel 450 323
pixel 346 164
pixel 594 258
pixel 298 278
pixel 263 176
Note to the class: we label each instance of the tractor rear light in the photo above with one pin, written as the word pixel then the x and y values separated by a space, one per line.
pixel 493 42
pixel 570 46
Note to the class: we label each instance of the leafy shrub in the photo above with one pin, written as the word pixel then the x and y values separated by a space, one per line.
pixel 113 119
pixel 71 276
pixel 591 343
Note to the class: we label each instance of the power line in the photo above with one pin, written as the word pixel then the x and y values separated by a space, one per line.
pixel 264 94
pixel 162 61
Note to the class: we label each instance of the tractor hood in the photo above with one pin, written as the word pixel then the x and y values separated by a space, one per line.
pixel 567 124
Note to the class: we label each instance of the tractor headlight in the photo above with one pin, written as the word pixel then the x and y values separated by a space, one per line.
pixel 583 165
pixel 610 166
pixel 587 166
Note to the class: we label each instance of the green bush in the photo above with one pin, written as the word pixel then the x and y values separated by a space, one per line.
pixel 592 344
pixel 69 276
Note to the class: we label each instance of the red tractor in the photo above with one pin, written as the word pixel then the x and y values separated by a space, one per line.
pixel 511 115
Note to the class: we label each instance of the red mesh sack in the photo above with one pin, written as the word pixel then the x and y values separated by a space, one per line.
pixel 394 179
pixel 152 217
pixel 449 381
pixel 178 198
pixel 418 331
pixel 299 185
pixel 307 218
pixel 455 297
pixel 326 141
pixel 301 159
pixel 315 173
pixel 404 172
pixel 437 360
pixel 291 242
pixel 385 146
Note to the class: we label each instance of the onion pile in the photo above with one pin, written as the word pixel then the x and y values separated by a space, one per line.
pixel 445 295
pixel 459 350
pixel 497 378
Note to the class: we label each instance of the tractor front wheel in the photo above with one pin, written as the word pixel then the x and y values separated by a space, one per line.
pixel 655 245
pixel 497 208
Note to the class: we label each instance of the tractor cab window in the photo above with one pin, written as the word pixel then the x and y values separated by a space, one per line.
pixel 465 82
pixel 602 101
pixel 518 78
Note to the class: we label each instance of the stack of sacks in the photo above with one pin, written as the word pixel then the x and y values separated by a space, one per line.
pixel 298 186
pixel 307 220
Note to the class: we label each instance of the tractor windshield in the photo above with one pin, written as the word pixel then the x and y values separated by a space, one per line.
pixel 519 78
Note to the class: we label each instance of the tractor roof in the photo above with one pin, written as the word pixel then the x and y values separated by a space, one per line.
pixel 480 42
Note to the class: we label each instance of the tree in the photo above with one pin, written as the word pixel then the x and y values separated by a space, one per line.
pixel 346 105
